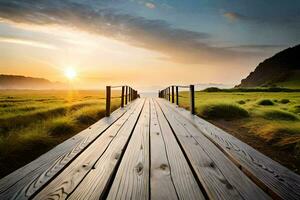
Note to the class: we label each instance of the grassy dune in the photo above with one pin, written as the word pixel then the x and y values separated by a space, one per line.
pixel 32 122
pixel 270 117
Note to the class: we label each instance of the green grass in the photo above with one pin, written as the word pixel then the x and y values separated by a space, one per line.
pixel 278 123
pixel 280 115
pixel 265 102
pixel 33 122
pixel 222 111
pixel 284 101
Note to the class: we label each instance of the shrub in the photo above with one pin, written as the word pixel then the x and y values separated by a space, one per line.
pixel 280 115
pixel 61 127
pixel 295 109
pixel 265 102
pixel 223 111
pixel 241 102
pixel 212 89
pixel 284 101
pixel 85 119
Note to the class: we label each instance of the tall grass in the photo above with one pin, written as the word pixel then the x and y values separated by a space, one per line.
pixel 32 122
pixel 222 111
pixel 272 116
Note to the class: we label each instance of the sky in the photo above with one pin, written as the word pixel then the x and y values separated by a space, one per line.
pixel 147 44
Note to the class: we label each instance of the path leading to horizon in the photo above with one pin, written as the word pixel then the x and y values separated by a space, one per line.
pixel 151 149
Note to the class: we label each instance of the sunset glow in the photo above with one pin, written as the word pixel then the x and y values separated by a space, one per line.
pixel 70 73
pixel 141 43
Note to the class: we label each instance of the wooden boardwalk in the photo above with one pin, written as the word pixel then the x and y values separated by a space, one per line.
pixel 151 149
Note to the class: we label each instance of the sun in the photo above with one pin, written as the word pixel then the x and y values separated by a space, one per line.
pixel 70 73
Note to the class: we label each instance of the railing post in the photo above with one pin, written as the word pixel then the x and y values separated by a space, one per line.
pixel 192 99
pixel 172 93
pixel 108 94
pixel 122 97
pixel 126 94
pixel 166 94
pixel 177 96
pixel 130 96
pixel 129 92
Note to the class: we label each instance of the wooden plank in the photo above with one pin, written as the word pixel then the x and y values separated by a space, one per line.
pixel 24 182
pixel 161 184
pixel 132 178
pixel 62 185
pixel 178 169
pixel 95 183
pixel 274 178
pixel 218 175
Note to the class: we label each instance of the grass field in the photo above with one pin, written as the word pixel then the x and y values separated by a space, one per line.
pixel 269 121
pixel 32 122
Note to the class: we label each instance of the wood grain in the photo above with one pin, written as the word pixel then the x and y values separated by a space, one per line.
pixel 218 175
pixel 132 178
pixel 24 182
pixel 96 182
pixel 161 183
pixel 182 176
pixel 274 178
pixel 69 178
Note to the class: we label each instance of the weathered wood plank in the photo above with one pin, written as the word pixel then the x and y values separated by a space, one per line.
pixel 183 179
pixel 161 183
pixel 96 182
pixel 274 178
pixel 218 175
pixel 24 182
pixel 62 185
pixel 132 178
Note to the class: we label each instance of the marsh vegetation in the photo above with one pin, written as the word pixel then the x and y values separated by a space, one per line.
pixel 268 121
pixel 33 122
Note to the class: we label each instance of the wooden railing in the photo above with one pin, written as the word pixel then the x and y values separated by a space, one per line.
pixel 128 94
pixel 171 92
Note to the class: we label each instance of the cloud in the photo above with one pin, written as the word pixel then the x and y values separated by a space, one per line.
pixel 150 5
pixel 233 16
pixel 178 45
pixel 26 42
pixel 258 47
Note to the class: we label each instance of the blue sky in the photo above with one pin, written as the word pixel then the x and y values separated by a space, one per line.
pixel 202 35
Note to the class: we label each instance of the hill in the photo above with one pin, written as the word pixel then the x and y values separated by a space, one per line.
pixel 22 82
pixel 281 70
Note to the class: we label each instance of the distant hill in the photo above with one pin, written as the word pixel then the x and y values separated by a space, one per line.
pixel 281 70
pixel 22 82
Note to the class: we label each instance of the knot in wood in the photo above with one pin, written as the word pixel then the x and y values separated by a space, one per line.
pixel 139 168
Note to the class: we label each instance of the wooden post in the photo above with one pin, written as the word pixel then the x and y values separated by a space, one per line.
pixel 130 96
pixel 177 96
pixel 166 93
pixel 108 94
pixel 169 94
pixel 122 96
pixel 129 89
pixel 126 94
pixel 172 93
pixel 192 99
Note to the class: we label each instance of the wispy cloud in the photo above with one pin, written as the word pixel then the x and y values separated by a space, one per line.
pixel 150 5
pixel 179 45
pixel 234 16
pixel 256 47
pixel 26 42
